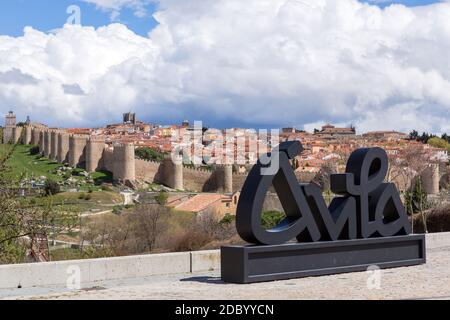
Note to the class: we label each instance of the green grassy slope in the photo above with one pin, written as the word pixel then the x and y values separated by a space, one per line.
pixel 22 162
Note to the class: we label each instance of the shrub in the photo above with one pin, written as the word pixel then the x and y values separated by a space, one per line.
pixel 51 187
pixel 81 196
pixel 217 228
pixel 270 219
pixel 191 240
pixel 88 197
pixel 117 209
pixel 34 150
pixel 162 197
pixel 106 188
pixel 227 219
pixel 438 220
pixel 77 171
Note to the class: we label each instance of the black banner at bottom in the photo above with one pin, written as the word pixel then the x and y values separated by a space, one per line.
pixel 206 309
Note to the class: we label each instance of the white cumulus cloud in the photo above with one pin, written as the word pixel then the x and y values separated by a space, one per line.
pixel 253 62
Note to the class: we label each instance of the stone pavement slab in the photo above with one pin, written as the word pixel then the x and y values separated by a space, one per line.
pixel 430 281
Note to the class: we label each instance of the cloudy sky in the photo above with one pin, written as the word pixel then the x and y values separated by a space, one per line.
pixel 377 64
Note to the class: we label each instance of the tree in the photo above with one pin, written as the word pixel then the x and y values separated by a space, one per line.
pixel 416 197
pixel 213 226
pixel 11 249
pixel 148 223
pixel 51 187
pixel 404 168
pixel 22 221
pixel 323 177
pixel 130 233
pixel 109 235
pixel 146 153
pixel 413 135
pixel 417 202
pixel 439 143
pixel 425 137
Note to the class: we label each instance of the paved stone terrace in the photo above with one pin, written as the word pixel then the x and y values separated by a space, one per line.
pixel 430 281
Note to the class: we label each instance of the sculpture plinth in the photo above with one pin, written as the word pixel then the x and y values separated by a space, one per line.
pixel 366 225
pixel 250 264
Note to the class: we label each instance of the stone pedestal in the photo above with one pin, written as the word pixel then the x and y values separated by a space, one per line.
pixel 249 264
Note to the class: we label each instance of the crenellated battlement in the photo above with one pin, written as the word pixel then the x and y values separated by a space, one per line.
pixel 93 154
pixel 197 169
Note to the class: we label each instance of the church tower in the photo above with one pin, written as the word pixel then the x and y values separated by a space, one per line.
pixel 10 124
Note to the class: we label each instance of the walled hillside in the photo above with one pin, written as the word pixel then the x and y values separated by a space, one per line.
pixel 94 154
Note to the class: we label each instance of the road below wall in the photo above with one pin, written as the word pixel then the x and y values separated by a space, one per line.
pixel 430 281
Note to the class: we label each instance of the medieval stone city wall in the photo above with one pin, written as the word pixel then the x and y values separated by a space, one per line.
pixel 108 159
pixel 124 168
pixel 47 143
pixel 148 171
pixel 35 137
pixel 54 145
pixel 93 154
pixel 77 150
pixel 238 181
pixel 201 180
pixel 27 135
pixel 63 147
pixel 16 134
pixel 7 135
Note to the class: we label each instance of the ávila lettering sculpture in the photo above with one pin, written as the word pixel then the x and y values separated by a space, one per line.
pixel 365 225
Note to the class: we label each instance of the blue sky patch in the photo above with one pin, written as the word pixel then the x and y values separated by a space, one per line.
pixel 46 15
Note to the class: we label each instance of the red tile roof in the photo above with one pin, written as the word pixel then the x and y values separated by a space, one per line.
pixel 199 203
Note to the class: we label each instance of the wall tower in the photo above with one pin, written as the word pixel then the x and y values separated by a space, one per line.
pixel 27 135
pixel 10 123
pixel 431 179
pixel 47 143
pixel 94 154
pixel 124 163
pixel 77 145
pixel 63 147
pixel 54 145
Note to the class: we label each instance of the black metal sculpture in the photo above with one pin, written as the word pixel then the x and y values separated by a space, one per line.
pixel 365 208
pixel 368 207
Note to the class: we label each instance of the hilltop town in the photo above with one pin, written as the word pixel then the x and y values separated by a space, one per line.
pixel 109 179
pixel 113 148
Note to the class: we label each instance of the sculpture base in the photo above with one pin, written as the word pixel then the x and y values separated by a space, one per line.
pixel 249 264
